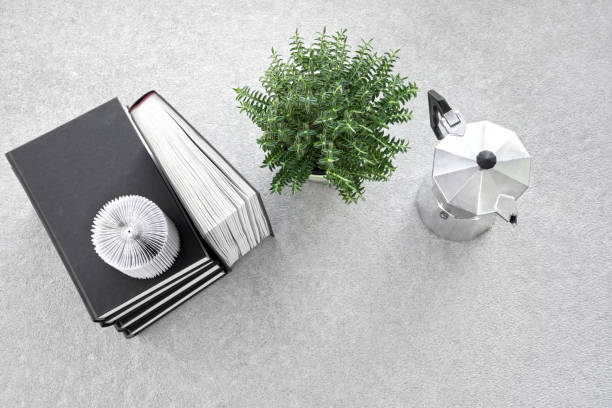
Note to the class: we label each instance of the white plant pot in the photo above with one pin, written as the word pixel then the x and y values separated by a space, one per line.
pixel 317 178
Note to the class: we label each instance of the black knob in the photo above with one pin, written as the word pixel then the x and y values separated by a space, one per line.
pixel 486 159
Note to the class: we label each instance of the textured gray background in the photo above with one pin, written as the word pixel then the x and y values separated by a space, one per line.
pixel 347 306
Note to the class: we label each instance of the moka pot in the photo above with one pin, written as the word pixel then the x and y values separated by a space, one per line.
pixel 479 171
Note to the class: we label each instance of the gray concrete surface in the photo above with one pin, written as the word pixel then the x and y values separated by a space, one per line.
pixel 348 306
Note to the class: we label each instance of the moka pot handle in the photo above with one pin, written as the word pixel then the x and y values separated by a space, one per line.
pixel 440 109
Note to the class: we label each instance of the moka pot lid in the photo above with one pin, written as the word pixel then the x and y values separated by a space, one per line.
pixel 486 168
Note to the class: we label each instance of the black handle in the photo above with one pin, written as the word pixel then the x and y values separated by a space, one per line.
pixel 437 107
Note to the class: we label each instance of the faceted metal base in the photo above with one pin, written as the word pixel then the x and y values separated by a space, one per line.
pixel 444 224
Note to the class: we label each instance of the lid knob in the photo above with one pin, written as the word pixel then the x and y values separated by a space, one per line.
pixel 486 159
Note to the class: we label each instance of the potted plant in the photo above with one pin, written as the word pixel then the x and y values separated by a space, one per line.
pixel 326 112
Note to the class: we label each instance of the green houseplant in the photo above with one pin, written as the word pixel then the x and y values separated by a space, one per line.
pixel 327 111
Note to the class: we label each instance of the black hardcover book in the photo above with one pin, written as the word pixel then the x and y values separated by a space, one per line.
pixel 70 173
pixel 173 285
pixel 150 151
pixel 224 207
pixel 157 313
pixel 163 302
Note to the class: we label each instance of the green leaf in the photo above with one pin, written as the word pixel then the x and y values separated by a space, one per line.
pixel 328 106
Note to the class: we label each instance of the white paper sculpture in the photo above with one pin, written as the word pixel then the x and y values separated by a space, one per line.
pixel 134 236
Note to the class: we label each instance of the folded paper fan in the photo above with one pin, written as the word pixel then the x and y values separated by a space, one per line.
pixel 134 236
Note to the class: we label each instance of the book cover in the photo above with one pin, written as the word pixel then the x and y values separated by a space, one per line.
pixel 70 173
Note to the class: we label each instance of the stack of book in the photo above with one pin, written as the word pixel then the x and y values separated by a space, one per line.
pixel 149 150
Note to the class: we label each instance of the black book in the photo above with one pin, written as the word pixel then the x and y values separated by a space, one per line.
pixel 156 313
pixel 177 284
pixel 70 173
pixel 162 302
pixel 225 209
pixel 150 151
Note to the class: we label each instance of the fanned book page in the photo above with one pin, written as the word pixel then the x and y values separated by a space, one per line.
pixel 225 209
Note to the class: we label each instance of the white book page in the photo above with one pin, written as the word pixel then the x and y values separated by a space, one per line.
pixel 224 208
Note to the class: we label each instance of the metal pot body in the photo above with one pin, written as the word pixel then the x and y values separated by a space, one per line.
pixel 443 223
pixel 479 171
